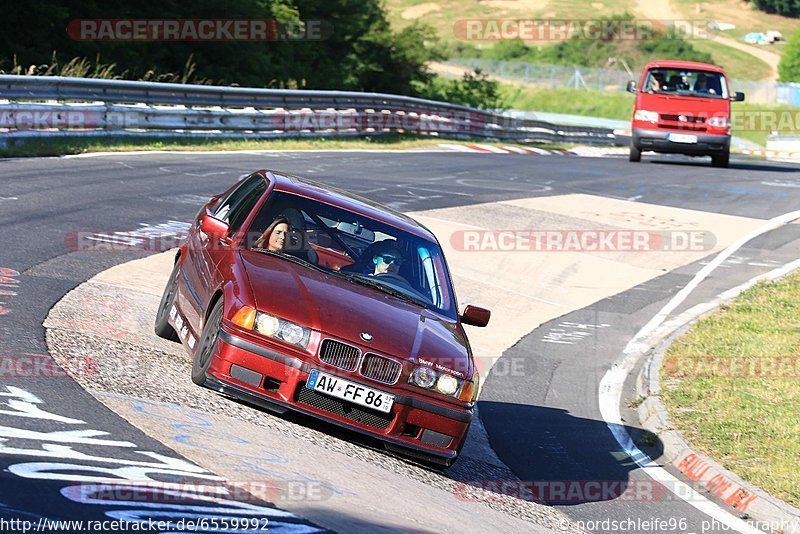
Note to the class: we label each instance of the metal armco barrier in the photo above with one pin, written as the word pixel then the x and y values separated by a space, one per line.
pixel 38 106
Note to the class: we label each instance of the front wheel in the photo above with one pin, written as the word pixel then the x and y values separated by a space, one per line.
pixel 207 343
pixel 162 326
pixel 635 154
pixel 723 160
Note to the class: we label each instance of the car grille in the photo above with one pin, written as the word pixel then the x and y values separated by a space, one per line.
pixel 339 354
pixel 380 368
pixel 689 118
pixel 694 124
pixel 344 409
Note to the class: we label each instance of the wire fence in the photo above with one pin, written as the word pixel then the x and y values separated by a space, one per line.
pixel 615 80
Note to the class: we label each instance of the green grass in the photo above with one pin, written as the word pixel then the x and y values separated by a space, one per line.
pixel 443 15
pixel 738 64
pixel 755 131
pixel 750 424
pixel 402 12
pixel 747 18
pixel 609 105
pixel 59 147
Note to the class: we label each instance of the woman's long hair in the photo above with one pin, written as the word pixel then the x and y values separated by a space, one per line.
pixel 264 239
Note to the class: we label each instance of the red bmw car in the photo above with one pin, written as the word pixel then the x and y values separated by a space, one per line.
pixel 292 295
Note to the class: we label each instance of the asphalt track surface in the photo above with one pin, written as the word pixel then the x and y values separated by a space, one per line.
pixel 544 424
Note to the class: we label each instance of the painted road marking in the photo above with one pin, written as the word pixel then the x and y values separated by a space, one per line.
pixel 61 461
pixel 567 333
pixel 610 391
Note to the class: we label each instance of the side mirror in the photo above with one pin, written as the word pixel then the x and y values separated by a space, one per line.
pixel 737 97
pixel 214 227
pixel 475 316
pixel 631 87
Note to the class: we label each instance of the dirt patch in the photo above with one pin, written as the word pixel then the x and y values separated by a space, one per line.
pixel 419 10
pixel 516 5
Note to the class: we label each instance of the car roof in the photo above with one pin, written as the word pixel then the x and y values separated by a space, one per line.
pixel 678 64
pixel 340 198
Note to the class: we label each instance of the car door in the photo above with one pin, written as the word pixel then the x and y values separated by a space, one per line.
pixel 206 252
pixel 240 208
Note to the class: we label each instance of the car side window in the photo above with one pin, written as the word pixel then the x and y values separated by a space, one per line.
pixel 238 204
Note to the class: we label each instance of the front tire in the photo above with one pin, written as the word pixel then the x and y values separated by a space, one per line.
pixel 635 154
pixel 723 160
pixel 162 326
pixel 207 344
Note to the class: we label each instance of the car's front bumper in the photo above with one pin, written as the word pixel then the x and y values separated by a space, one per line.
pixel 656 140
pixel 275 380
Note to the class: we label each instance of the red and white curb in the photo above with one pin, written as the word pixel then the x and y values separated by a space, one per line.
pixel 509 149
pixel 777 154
pixel 748 500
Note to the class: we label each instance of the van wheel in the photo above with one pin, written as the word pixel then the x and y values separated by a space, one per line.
pixel 635 154
pixel 722 160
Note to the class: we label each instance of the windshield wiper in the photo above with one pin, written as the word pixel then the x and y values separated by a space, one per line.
pixel 363 280
pixel 288 257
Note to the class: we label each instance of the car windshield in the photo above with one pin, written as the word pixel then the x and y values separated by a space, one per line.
pixel 355 247
pixel 686 82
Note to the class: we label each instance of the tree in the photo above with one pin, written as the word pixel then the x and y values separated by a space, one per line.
pixel 474 89
pixel 789 67
pixel 787 8
pixel 361 53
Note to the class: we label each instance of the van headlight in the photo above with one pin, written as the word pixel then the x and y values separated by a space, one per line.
pixel 646 116
pixel 718 122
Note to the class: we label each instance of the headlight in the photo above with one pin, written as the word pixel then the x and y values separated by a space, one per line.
pixel 425 377
pixel 267 324
pixel 446 384
pixel 293 333
pixel 718 122
pixel 274 327
pixel 646 116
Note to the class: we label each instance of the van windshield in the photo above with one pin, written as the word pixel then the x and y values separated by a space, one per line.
pixel 686 82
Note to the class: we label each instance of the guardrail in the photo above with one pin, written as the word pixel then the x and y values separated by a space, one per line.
pixel 40 106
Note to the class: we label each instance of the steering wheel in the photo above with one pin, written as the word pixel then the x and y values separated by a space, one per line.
pixel 396 279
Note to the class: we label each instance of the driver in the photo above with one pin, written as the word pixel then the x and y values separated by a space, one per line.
pixel 386 259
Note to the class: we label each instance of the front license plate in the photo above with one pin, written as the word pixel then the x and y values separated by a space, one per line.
pixel 350 391
pixel 682 138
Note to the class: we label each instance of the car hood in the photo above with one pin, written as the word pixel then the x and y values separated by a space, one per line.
pixel 343 309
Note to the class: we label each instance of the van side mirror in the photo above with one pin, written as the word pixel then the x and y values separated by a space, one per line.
pixel 631 87
pixel 737 97
pixel 475 316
